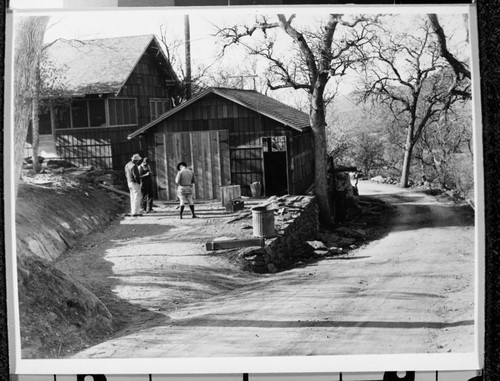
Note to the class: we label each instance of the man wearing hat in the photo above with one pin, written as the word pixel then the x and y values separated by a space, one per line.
pixel 185 181
pixel 134 185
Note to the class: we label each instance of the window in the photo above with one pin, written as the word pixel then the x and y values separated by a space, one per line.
pixel 159 106
pixel 92 113
pixel 44 125
pixel 79 114
pixel 62 116
pixel 97 112
pixel 122 112
pixel 88 113
pixel 274 144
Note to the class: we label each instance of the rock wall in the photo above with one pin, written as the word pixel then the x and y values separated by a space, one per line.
pixel 296 222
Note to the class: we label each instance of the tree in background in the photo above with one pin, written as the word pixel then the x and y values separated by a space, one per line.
pixel 315 56
pixel 28 50
pixel 49 89
pixel 194 77
pixel 408 75
pixel 245 76
pixel 173 47
pixel 358 134
pixel 446 149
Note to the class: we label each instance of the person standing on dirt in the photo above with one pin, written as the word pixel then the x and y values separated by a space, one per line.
pixel 146 175
pixel 134 185
pixel 185 181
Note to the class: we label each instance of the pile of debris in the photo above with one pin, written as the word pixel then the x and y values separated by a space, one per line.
pixel 387 180
pixel 338 242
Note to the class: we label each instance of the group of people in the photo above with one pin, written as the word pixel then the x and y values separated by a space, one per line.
pixel 140 184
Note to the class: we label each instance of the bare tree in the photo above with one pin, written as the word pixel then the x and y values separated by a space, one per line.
pixel 318 55
pixel 408 74
pixel 357 134
pixel 246 76
pixel 191 77
pixel 444 141
pixel 49 89
pixel 35 127
pixel 28 49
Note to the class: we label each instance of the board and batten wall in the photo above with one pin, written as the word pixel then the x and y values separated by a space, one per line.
pixel 239 159
pixel 206 152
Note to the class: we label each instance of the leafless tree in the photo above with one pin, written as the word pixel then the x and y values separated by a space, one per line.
pixel 358 134
pixel 408 74
pixel 191 81
pixel 28 49
pixel 445 140
pixel 318 55
pixel 246 76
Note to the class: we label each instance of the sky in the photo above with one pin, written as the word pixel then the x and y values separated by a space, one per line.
pixel 205 48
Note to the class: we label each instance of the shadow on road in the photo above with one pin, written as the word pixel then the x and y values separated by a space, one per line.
pixel 208 322
pixel 425 214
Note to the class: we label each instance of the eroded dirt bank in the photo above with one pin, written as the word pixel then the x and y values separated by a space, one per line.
pixel 57 313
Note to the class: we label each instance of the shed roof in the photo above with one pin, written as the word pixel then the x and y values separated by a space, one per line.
pixel 250 99
pixel 100 66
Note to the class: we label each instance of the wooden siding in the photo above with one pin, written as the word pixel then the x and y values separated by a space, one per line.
pixel 206 152
pixel 302 162
pixel 146 81
pixel 100 147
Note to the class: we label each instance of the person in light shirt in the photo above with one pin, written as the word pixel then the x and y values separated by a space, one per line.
pixel 185 181
pixel 134 185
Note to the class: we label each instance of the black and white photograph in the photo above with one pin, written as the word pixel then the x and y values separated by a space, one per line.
pixel 245 183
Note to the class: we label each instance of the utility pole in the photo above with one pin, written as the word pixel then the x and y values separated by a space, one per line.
pixel 187 44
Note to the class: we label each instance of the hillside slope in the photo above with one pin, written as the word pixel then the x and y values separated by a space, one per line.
pixel 58 314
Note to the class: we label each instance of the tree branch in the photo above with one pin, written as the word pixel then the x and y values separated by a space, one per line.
pixel 457 66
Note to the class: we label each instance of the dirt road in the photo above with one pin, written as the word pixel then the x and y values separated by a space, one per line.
pixel 409 292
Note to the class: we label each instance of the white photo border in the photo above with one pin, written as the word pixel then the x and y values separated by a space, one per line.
pixel 292 364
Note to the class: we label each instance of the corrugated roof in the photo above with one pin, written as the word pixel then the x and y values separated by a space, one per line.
pixel 97 66
pixel 251 99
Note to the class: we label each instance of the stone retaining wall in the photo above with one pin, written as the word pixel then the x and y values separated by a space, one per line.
pixel 296 222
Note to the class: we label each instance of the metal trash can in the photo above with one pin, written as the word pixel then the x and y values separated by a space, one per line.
pixel 263 222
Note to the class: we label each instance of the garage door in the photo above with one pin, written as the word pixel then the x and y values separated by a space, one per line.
pixel 205 152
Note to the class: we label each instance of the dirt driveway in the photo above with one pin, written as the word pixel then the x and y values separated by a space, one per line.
pixel 409 292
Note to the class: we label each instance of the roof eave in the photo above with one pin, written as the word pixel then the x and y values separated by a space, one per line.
pixel 168 114
pixel 274 117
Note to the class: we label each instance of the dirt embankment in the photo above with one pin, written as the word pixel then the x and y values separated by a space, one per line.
pixel 56 312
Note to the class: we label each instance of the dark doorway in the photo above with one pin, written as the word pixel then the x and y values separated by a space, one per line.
pixel 275 166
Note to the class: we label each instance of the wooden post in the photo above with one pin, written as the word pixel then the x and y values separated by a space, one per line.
pixel 187 42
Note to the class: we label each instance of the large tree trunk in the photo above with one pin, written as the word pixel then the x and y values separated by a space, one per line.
pixel 318 124
pixel 405 174
pixel 29 42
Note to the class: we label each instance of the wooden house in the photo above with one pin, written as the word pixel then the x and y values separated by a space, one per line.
pixel 231 137
pixel 111 87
